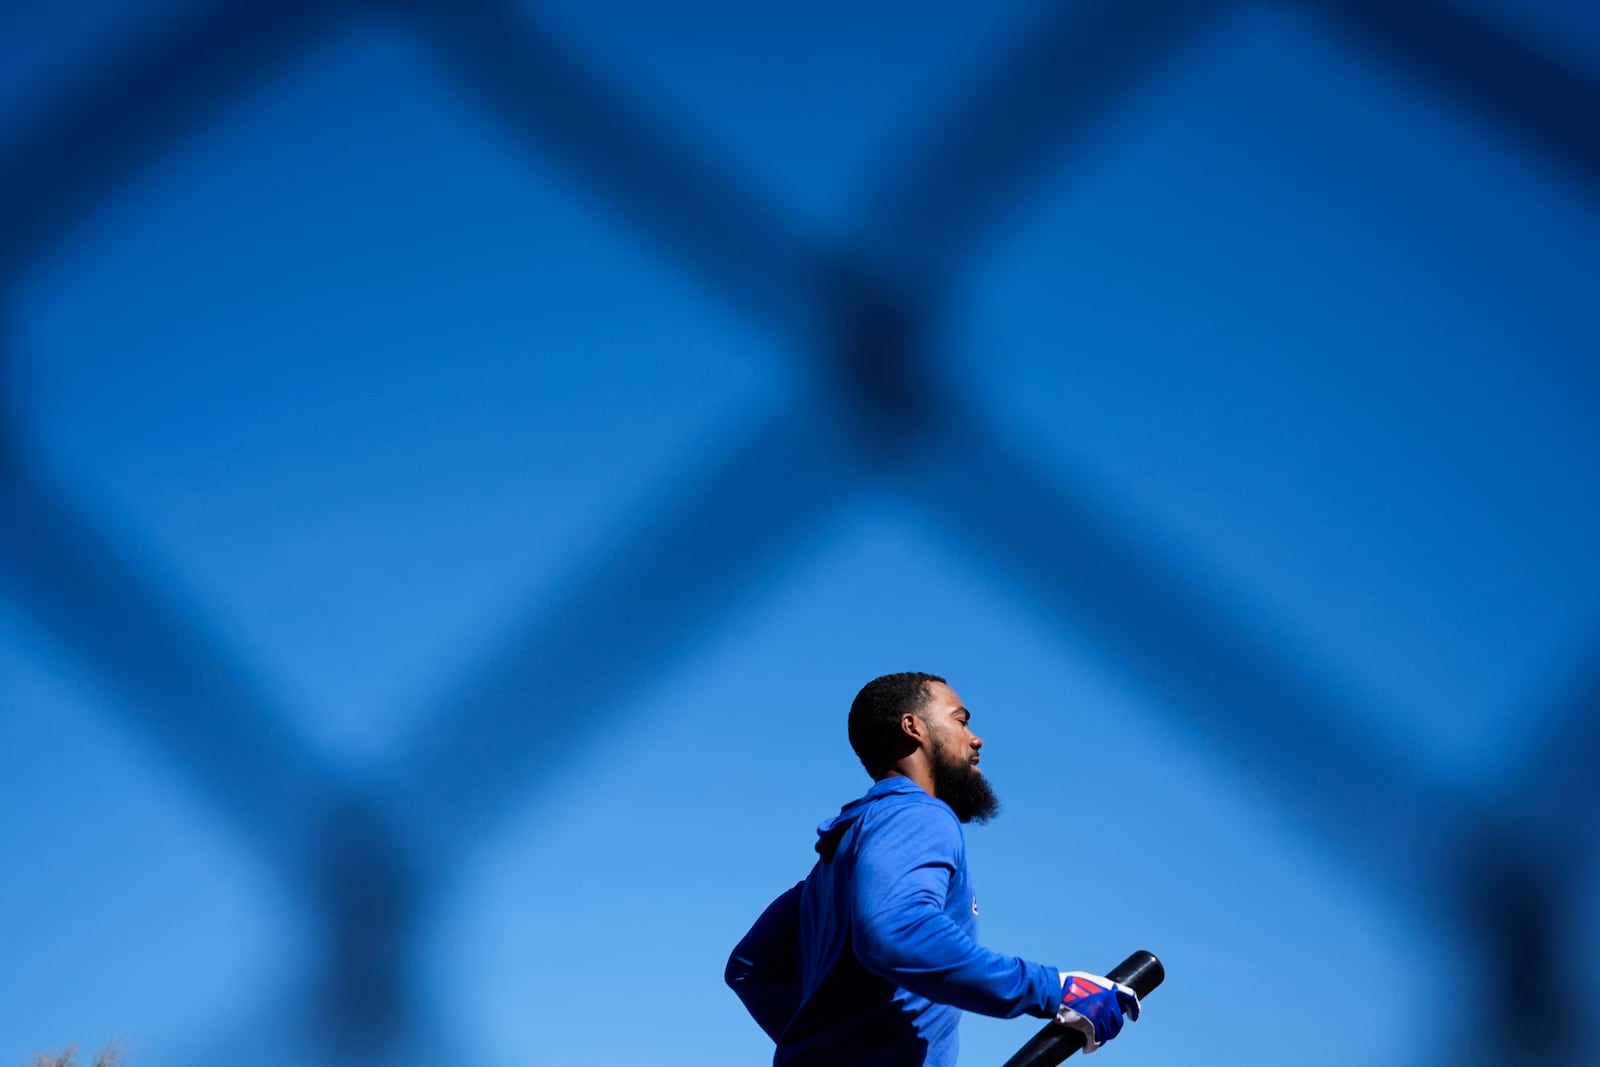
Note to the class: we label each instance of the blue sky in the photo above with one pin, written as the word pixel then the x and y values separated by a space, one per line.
pixel 362 380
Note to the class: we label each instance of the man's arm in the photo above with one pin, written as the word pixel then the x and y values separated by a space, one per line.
pixel 902 934
pixel 764 971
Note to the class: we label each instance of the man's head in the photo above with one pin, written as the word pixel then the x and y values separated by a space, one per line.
pixel 913 724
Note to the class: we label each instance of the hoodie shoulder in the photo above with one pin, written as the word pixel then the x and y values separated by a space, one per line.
pixel 890 800
pixel 914 812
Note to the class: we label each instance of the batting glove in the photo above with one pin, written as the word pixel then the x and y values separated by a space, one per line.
pixel 1094 1006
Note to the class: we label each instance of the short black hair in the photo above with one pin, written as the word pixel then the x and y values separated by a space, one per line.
pixel 875 717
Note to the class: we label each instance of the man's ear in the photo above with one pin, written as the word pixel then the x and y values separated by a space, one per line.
pixel 913 728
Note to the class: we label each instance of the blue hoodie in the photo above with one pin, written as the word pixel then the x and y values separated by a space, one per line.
pixel 872 959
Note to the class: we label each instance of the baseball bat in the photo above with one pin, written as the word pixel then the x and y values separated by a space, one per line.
pixel 1141 972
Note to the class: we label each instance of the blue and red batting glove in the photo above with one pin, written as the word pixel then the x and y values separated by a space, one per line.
pixel 1094 1006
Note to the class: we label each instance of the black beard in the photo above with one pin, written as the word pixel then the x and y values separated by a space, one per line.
pixel 960 785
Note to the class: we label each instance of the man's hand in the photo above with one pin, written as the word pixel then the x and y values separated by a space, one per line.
pixel 1094 1006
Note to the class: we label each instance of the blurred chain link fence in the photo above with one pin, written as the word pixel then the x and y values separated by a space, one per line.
pixel 366 858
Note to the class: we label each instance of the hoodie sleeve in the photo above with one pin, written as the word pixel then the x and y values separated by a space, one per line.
pixel 904 934
pixel 764 971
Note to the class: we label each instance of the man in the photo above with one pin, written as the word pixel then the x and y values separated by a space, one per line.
pixel 872 959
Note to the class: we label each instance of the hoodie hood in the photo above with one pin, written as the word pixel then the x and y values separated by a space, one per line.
pixel 832 830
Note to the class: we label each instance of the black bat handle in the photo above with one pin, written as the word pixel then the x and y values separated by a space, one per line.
pixel 1141 972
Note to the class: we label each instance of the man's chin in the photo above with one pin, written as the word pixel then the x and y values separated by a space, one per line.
pixel 967 791
pixel 985 805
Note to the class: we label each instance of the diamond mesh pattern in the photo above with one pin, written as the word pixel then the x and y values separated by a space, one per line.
pixel 358 856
